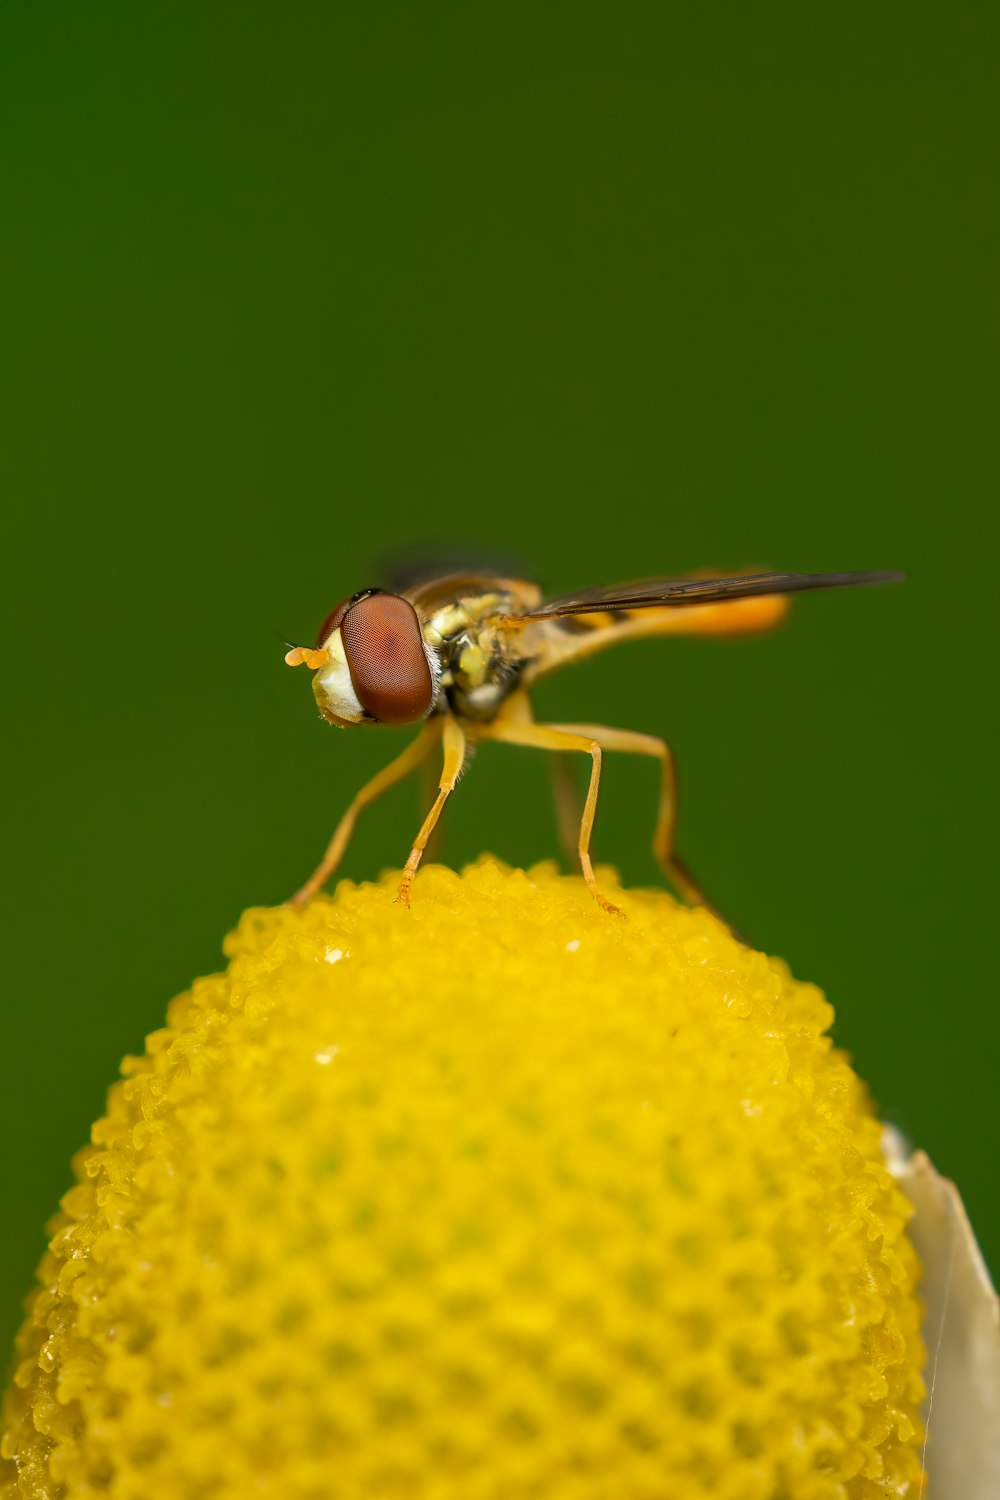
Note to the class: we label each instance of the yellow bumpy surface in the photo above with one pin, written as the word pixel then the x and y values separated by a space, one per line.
pixel 498 1198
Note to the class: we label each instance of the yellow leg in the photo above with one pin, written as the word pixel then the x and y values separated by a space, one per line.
pixel 559 737
pixel 427 797
pixel 666 818
pixel 387 777
pixel 454 759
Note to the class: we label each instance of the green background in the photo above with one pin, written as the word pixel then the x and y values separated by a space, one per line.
pixel 611 289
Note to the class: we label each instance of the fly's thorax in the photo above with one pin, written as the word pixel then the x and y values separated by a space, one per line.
pixel 479 671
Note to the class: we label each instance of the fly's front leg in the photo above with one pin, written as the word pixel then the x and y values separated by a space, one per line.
pixel 558 737
pixel 666 818
pixel 387 777
pixel 427 797
pixel 453 737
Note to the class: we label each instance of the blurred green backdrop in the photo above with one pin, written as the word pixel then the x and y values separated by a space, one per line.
pixel 613 289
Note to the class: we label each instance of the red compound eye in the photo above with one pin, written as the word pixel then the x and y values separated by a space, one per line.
pixel 385 657
pixel 333 619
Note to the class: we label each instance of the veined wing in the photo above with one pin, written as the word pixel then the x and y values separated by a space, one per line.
pixel 681 593
pixel 562 631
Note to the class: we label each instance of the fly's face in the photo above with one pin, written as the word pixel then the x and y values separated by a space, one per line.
pixel 333 687
pixel 371 663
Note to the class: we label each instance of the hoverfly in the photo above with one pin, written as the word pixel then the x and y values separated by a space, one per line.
pixel 458 655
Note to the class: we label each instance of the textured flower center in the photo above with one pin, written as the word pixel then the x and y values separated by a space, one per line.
pixel 496 1197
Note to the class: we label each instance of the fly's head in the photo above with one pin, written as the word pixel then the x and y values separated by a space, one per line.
pixel 371 663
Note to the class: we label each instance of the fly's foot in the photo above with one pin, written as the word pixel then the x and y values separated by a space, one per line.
pixel 402 897
pixel 595 890
pixel 608 906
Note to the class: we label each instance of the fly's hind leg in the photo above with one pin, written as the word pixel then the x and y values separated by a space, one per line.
pixel 563 737
pixel 633 743
pixel 387 777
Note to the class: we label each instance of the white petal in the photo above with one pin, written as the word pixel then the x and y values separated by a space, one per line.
pixel 961 1331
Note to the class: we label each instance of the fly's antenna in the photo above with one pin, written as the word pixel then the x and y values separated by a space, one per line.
pixel 297 656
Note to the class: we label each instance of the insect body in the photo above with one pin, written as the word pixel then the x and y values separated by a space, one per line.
pixel 458 655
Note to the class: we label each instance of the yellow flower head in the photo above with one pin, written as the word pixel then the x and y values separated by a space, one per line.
pixel 497 1198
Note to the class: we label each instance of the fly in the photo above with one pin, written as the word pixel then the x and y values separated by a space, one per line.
pixel 459 655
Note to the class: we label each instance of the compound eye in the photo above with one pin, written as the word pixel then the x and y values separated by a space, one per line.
pixel 386 658
pixel 333 619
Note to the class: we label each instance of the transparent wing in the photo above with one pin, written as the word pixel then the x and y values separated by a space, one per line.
pixel 659 593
